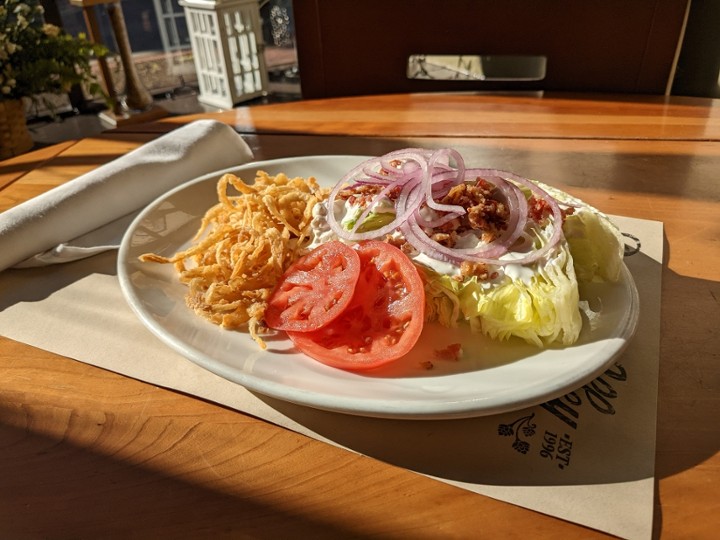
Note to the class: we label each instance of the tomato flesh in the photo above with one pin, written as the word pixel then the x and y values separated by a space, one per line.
pixel 315 289
pixel 383 320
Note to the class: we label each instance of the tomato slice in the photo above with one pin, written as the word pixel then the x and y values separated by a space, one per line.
pixel 382 322
pixel 315 289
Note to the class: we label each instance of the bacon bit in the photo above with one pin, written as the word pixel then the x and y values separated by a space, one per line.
pixel 399 242
pixel 363 195
pixel 539 210
pixel 469 269
pixel 451 352
pixel 479 270
pixel 427 364
pixel 445 239
pixel 483 213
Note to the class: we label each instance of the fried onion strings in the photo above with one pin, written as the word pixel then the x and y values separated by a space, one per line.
pixel 244 244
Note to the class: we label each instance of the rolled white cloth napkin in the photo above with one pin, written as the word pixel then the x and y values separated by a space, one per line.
pixel 85 216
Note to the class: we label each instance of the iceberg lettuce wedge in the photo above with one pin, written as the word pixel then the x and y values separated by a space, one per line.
pixel 542 310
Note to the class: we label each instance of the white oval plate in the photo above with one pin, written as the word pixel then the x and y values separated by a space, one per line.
pixel 491 377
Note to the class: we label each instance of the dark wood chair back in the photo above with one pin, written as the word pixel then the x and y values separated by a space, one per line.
pixel 359 47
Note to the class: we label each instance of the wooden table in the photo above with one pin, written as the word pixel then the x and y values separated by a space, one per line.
pixel 85 453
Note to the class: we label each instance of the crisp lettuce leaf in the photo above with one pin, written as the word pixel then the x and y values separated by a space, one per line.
pixel 541 310
pixel 595 244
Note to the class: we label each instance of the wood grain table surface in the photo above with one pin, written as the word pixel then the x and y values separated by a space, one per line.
pixel 86 453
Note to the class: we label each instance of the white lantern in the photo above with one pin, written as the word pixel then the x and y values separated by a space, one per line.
pixel 226 38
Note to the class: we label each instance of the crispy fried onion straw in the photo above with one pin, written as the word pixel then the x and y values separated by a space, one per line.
pixel 243 246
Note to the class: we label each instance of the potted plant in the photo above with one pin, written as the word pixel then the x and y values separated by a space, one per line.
pixel 36 58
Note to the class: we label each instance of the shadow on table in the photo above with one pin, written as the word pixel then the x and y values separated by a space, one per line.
pixel 51 488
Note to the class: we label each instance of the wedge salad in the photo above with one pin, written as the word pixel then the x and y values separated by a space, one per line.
pixel 418 236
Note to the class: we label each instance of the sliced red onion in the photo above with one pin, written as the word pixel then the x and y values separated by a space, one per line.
pixel 430 177
pixel 424 176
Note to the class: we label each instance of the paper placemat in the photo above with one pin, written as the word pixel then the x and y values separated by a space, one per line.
pixel 586 457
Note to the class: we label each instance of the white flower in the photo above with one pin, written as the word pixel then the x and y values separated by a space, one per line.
pixel 5 89
pixel 22 8
pixel 50 30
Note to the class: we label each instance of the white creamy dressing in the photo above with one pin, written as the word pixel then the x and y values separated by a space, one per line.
pixel 518 272
pixel 321 231
pixel 441 267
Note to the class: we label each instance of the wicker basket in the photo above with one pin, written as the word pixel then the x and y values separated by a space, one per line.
pixel 14 135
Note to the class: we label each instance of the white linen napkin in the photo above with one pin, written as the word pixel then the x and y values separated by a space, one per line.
pixel 89 214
